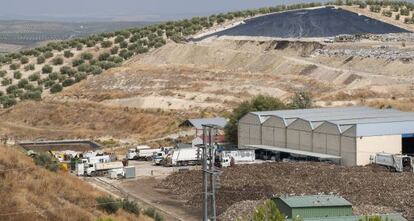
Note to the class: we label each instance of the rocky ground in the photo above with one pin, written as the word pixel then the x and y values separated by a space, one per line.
pixel 370 189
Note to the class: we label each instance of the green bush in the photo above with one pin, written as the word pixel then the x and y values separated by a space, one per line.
pixel 103 56
pixel 41 59
pixel 68 82
pixel 3 73
pixel 53 76
pixel 6 81
pixel 29 67
pixel 68 54
pixel 130 207
pixel 10 89
pixel 108 204
pixel 57 61
pixel 14 66
pixel 107 64
pixel 116 59
pixel 45 160
pixel 150 212
pixel 267 211
pixel 67 70
pixel 79 47
pixel 80 76
pixel 34 77
pixel 86 56
pixel 17 75
pixel 48 54
pixel 119 39
pixel 31 95
pixel 47 69
pixel 123 44
pixel 95 70
pixel 77 62
pixel 56 88
pixel 397 17
pixel 22 83
pixel 85 68
pixel 114 50
pixel 106 44
pixel 387 13
pixel 49 83
pixel 7 101
pixel 301 100
pixel 405 11
pixel 24 60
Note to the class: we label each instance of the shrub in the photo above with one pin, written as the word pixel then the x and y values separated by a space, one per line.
pixel 57 61
pixel 150 212
pixel 41 59
pixel 103 56
pixel 130 206
pixel 387 13
pixel 116 59
pixel 31 95
pixel 119 39
pixel 95 70
pixel 34 77
pixel 106 44
pixel 54 76
pixel 10 89
pixel 68 82
pixel 114 50
pixel 67 54
pixel 84 68
pixel 301 100
pixel 56 88
pixel 67 70
pixel 49 83
pixel 77 62
pixel 29 67
pixel 375 8
pixel 17 75
pixel 48 54
pixel 24 60
pixel 86 56
pixel 22 83
pixel 267 211
pixel 108 204
pixel 397 17
pixel 7 101
pixel 405 11
pixel 80 76
pixel 3 73
pixel 47 69
pixel 14 66
pixel 107 64
pixel 79 47
pixel 123 44
pixel 6 81
pixel 45 160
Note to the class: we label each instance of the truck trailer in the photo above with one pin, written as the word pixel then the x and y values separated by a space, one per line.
pixel 396 162
pixel 141 153
pixel 182 157
pixel 101 169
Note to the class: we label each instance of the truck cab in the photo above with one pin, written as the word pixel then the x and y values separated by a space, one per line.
pixel 132 154
pixel 159 157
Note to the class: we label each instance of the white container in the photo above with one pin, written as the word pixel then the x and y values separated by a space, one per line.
pixel 80 169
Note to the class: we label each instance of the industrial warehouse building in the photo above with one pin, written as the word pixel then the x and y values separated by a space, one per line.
pixel 349 135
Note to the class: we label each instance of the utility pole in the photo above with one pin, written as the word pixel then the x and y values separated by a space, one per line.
pixel 210 173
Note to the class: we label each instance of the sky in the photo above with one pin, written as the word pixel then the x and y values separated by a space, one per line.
pixel 124 10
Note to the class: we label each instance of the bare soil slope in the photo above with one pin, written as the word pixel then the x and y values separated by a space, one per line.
pixel 28 192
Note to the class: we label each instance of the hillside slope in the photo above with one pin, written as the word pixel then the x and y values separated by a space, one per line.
pixel 28 192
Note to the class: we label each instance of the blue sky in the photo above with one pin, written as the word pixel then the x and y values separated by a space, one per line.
pixel 131 10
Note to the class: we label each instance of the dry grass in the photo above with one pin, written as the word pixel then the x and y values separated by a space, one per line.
pixel 28 192
pixel 65 120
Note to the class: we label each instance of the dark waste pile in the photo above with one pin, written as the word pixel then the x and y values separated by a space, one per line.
pixel 371 189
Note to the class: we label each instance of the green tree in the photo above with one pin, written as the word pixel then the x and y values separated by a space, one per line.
pixel 300 100
pixel 17 75
pixel 68 82
pixel 86 56
pixel 267 211
pixel 56 88
pixel 114 50
pixel 22 83
pixel 48 54
pixel 68 54
pixel 41 59
pixel 47 69
pixel 34 77
pixel 7 101
pixel 6 81
pixel 258 103
pixel 108 204
pixel 14 66
pixel 106 44
pixel 24 60
pixel 3 73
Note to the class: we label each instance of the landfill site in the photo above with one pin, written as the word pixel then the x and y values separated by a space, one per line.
pixel 181 128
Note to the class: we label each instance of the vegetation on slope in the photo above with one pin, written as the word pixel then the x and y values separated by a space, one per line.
pixel 30 192
pixel 28 74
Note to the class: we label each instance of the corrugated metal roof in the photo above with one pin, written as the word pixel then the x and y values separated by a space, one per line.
pixel 367 119
pixel 293 151
pixel 197 123
pixel 315 201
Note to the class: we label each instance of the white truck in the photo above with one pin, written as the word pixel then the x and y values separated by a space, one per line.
pixel 238 156
pixel 397 162
pixel 159 158
pixel 100 169
pixel 182 157
pixel 141 153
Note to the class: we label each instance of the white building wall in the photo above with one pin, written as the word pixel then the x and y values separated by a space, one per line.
pixel 268 136
pixel 274 132
pixel 319 142
pixel 367 146
pixel 348 151
pixel 249 130
pixel 299 135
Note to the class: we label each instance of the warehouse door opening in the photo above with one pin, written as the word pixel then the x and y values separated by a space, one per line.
pixel 408 144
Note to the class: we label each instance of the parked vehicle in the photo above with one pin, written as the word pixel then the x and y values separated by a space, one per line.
pixel 396 162
pixel 182 157
pixel 101 169
pixel 159 157
pixel 141 153
pixel 238 156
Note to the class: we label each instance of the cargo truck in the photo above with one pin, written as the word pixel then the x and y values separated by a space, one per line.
pixel 101 169
pixel 182 157
pixel 396 162
pixel 141 153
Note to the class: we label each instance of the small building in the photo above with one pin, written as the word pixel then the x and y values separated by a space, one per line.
pixel 313 206
pixel 198 123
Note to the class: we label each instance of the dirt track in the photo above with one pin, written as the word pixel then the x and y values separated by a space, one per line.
pixel 370 189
